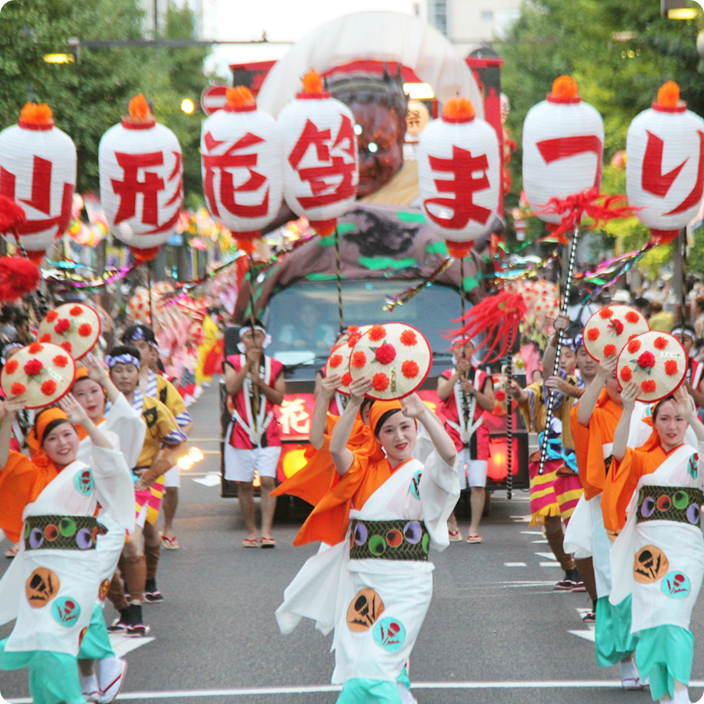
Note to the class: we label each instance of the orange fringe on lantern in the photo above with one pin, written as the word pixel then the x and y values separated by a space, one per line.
pixel 139 110
pixel 669 95
pixel 36 114
pixel 458 109
pixel 240 97
pixel 564 87
pixel 312 83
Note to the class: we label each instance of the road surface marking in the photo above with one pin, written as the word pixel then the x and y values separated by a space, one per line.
pixel 530 532
pixel 515 564
pixel 546 555
pixel 549 564
pixel 210 479
pixel 122 645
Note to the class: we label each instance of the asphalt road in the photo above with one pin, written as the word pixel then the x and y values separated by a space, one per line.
pixel 496 632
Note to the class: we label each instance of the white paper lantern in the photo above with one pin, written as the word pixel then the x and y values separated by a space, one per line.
pixel 242 159
pixel 665 164
pixel 38 171
pixel 141 182
pixel 320 156
pixel 563 146
pixel 459 175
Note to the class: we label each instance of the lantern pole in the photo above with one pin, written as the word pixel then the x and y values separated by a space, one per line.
pixel 550 406
pixel 338 276
pixel 509 424
pixel 149 285
pixel 462 286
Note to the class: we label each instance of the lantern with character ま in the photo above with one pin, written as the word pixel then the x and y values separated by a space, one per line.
pixel 38 171
pixel 141 183
pixel 459 176
pixel 665 166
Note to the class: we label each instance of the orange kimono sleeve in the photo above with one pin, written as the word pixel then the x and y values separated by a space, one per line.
pixel 20 484
pixel 620 484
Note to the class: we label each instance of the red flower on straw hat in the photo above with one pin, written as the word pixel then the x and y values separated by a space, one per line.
pixel 633 346
pixel 51 316
pixel 33 367
pixel 408 338
pixel 377 332
pixel 380 382
pixel 85 330
pixel 18 389
pixel 671 367
pixel 617 325
pixel 35 348
pixel 346 379
pixel 46 337
pixel 609 350
pixel 359 359
pixel 646 360
pixel 605 313
pixel 632 317
pixel 592 334
pixel 62 326
pixel 11 366
pixel 410 369
pixel 76 310
pixel 385 354
pixel 335 361
pixel 648 386
pixel 60 360
pixel 660 343
pixel 626 374
pixel 49 387
pixel 67 346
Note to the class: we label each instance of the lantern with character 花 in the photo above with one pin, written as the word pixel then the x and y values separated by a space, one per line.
pixel 141 180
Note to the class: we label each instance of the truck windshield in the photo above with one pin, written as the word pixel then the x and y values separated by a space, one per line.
pixel 303 319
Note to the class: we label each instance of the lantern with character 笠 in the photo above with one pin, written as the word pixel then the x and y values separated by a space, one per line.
pixel 38 171
pixel 141 180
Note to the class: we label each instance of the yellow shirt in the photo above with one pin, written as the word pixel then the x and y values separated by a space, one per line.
pixel 162 429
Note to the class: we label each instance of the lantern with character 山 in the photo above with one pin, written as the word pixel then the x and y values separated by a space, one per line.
pixel 141 180
pixel 38 171
pixel 563 146
pixel 459 175
pixel 665 165
pixel 242 160
pixel 320 156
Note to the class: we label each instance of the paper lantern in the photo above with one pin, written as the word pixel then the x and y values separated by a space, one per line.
pixel 665 165
pixel 242 158
pixel 320 156
pixel 459 175
pixel 563 146
pixel 141 180
pixel 38 171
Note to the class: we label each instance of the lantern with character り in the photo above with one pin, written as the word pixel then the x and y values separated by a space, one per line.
pixel 320 156
pixel 242 158
pixel 563 145
pixel 38 171
pixel 459 175
pixel 141 180
pixel 665 165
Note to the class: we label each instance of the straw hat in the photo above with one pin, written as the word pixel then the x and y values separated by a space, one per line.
pixel 339 359
pixel 396 357
pixel 609 329
pixel 73 326
pixel 41 371
pixel 656 361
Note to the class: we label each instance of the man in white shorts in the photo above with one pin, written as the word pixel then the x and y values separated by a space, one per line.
pixel 466 392
pixel 256 386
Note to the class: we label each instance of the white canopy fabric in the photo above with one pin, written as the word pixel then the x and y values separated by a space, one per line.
pixel 372 36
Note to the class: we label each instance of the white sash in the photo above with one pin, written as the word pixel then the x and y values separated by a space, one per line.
pixel 466 426
pixel 255 426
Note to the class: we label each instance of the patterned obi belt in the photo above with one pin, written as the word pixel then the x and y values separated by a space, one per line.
pixel 389 540
pixel 62 532
pixel 669 503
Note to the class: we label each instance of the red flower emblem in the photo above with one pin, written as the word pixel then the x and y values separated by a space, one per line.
pixel 632 317
pixel 408 338
pixel 18 389
pixel 626 374
pixel 605 313
pixel 359 359
pixel 346 379
pixel 592 334
pixel 380 382
pixel 335 361
pixel 648 386
pixel 85 330
pixel 646 360
pixel 385 354
pixel 617 325
pixel 409 369
pixel 46 337
pixel 35 348
pixel 49 387
pixel 76 310
pixel 33 367
pixel 609 350
pixel 634 346
pixel 67 346
pixel 671 367
pixel 60 361
pixel 11 366
pixel 353 340
pixel 51 316
pixel 352 328
pixel 377 332
pixel 660 343
pixel 62 326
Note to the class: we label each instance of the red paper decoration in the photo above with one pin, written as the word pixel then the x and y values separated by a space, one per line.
pixel 563 145
pixel 459 175
pixel 38 171
pixel 665 166
pixel 320 156
pixel 141 180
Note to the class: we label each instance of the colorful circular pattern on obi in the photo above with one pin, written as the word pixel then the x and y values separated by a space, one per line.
pixel 650 564
pixel 413 532
pixel 676 585
pixel 67 527
pixel 84 482
pixel 41 587
pixel 414 487
pixel 364 610
pixel 360 534
pixel 390 634
pixel 84 539
pixel 394 538
pixel 377 545
pixel 66 611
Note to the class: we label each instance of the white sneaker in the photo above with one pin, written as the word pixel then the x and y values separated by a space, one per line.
pixel 89 688
pixel 112 676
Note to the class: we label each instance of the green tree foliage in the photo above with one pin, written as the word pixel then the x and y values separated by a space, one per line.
pixel 91 94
